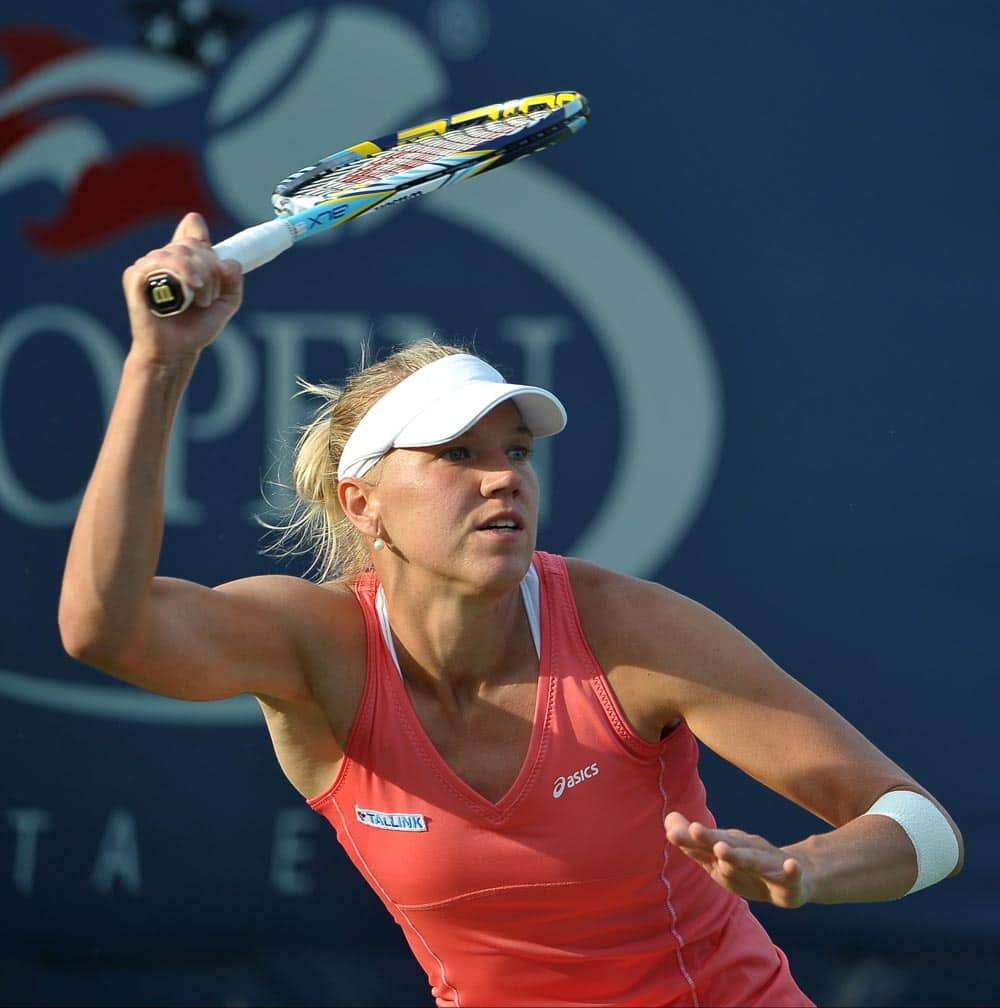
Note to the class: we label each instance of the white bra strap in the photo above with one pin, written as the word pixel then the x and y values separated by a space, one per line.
pixel 529 595
pixel 383 622
pixel 532 606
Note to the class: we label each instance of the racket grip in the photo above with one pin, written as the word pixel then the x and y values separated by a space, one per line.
pixel 166 295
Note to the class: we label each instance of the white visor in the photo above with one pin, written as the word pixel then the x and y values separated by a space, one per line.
pixel 437 403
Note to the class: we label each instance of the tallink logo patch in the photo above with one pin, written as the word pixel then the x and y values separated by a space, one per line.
pixel 403 822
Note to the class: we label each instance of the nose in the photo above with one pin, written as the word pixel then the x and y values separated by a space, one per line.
pixel 501 478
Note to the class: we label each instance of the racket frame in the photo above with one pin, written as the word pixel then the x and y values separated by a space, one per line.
pixel 298 217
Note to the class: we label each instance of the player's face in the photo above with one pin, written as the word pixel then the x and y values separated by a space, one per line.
pixel 466 510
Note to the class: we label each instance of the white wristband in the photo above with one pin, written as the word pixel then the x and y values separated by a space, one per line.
pixel 930 833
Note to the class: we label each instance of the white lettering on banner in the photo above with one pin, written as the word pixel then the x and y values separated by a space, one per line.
pixel 537 336
pixel 286 337
pixel 118 856
pixel 401 328
pixel 292 851
pixel 245 379
pixel 27 824
pixel 236 393
pixel 661 373
pixel 661 369
pixel 37 863
pixel 105 357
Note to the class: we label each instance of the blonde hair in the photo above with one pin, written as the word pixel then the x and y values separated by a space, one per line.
pixel 315 523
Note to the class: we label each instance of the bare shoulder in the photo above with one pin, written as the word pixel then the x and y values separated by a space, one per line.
pixel 325 632
pixel 309 726
pixel 628 620
pixel 666 656
pixel 268 635
pixel 296 598
pixel 323 622
pixel 633 628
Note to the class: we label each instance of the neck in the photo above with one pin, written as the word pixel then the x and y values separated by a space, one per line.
pixel 454 645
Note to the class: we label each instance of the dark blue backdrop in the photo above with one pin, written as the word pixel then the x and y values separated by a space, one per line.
pixel 764 281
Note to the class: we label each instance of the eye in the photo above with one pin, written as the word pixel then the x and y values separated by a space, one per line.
pixel 519 453
pixel 456 453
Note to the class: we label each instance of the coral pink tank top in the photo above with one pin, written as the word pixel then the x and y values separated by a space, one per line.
pixel 565 891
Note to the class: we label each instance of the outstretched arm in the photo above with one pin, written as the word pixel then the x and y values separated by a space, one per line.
pixel 865 860
pixel 670 658
pixel 169 636
pixel 761 719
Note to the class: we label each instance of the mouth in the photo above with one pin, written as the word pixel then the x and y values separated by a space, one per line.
pixel 502 525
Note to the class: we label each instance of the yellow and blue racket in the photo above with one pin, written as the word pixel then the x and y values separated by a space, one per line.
pixel 380 173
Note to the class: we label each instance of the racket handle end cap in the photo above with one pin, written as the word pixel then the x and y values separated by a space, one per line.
pixel 166 295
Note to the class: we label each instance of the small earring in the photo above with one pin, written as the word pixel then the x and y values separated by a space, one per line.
pixel 378 544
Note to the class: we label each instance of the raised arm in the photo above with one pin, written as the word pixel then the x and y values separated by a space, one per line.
pixel 169 636
pixel 669 658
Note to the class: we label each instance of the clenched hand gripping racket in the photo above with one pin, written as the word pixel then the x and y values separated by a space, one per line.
pixel 393 168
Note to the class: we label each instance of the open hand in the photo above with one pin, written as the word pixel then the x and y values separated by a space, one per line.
pixel 745 864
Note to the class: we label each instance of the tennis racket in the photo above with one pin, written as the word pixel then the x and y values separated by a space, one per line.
pixel 383 172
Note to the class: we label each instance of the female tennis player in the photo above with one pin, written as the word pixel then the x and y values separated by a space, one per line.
pixel 503 739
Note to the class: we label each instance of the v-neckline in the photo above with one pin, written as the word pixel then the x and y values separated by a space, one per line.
pixel 458 784
pixel 529 764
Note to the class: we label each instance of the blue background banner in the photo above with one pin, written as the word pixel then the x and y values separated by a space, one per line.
pixel 764 282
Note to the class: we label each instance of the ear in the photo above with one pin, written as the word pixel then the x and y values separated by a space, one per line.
pixel 357 501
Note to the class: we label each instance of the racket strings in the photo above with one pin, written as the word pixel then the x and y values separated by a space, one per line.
pixel 423 153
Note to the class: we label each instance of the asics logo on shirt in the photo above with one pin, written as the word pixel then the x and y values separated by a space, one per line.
pixel 571 780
